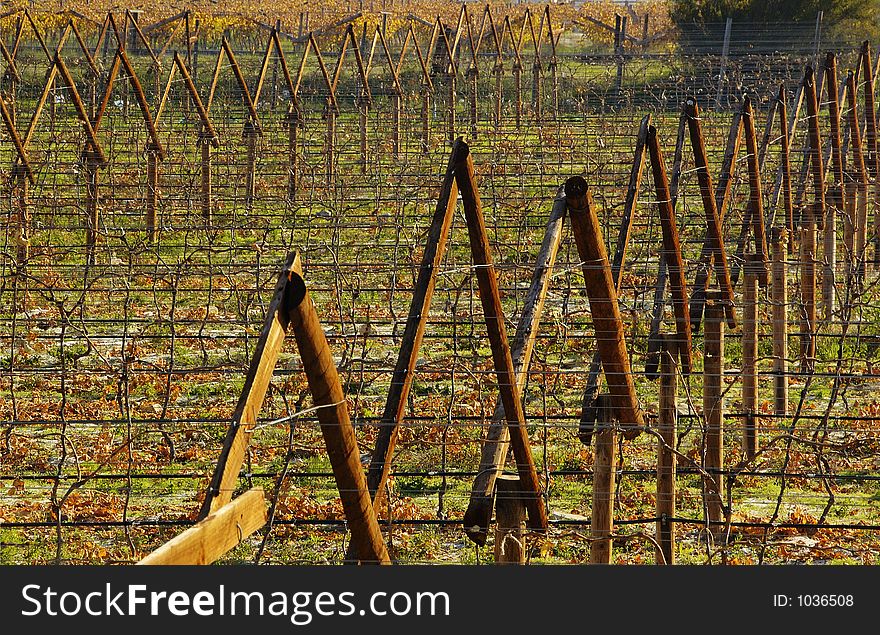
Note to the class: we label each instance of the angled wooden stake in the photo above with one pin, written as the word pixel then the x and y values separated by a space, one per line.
pixel 591 390
pixel 602 293
pixel 478 515
pixel 717 252
pixel 671 253
pixel 490 299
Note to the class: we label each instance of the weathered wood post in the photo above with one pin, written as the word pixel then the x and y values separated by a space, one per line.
pixel 336 428
pixel 725 51
pixel 330 114
pixel 478 515
pixel 90 165
pixel 872 150
pixel 396 116
pixel 363 104
pixel 815 214
pixel 510 513
pixel 472 83
pixel 537 104
pixel 554 83
pixel 667 425
pixel 251 135
pixel 604 309
pixel 426 118
pixel 152 193
pixel 619 44
pixel 604 464
pixel 498 71
pixel 517 90
pixel 751 269
pixel 294 123
pixel 21 203
pixel 778 238
pixel 713 410
pixel 859 181
pixel 451 124
pixel 205 138
pixel 275 71
pixel 835 192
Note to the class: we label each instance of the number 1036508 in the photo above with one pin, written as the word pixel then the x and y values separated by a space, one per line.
pixel 823 600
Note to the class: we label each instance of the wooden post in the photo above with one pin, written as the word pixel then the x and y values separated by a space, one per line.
pixel 753 264
pixel 404 369
pixel 363 115
pixel 554 84
pixel 396 113
pixel 850 212
pixel 872 149
pixel 604 465
pixel 499 93
pixel 808 293
pixel 205 143
pixel 451 124
pixel 517 89
pixel 426 118
pixel 591 390
pixel 250 140
pixel 20 188
pixel 152 194
pixel 275 71
pixel 90 165
pixel 472 81
pixel 330 143
pixel 490 299
pixel 835 192
pixel 332 412
pixel 784 177
pixel 716 252
pixel 725 52
pixel 607 322
pixel 510 512
pixel 294 122
pixel 859 179
pixel 778 238
pixel 814 216
pixel 667 424
pixel 619 44
pixel 713 410
pixel 537 105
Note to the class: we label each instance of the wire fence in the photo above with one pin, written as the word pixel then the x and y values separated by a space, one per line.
pixel 126 339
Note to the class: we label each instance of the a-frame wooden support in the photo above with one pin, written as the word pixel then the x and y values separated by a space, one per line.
pixel 460 178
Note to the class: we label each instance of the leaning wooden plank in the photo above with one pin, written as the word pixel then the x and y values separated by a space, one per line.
pixel 756 166
pixel 490 299
pixel 589 411
pixel 602 293
pixel 713 218
pixel 213 536
pixel 256 384
pixel 332 411
pixel 495 448
pixel 722 198
pixel 671 253
pixel 655 341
